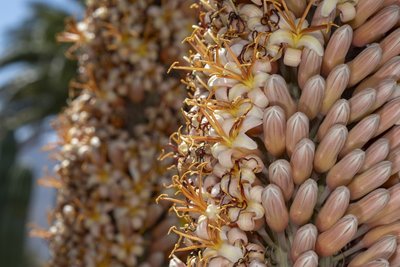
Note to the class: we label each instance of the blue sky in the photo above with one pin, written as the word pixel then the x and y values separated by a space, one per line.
pixel 12 13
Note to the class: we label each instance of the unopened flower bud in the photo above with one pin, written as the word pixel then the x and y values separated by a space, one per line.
pixel 311 98
pixel 304 202
pixel 277 93
pixel 307 259
pixel 343 172
pixel 304 240
pixel 369 180
pixel 333 209
pixel 367 207
pixel 297 128
pixel 383 249
pixel 274 124
pixel 329 148
pixel 276 214
pixel 377 26
pixel 339 235
pixel 302 160
pixel 280 174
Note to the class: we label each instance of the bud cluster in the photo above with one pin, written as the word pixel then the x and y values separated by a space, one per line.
pixel 291 151
pixel 122 111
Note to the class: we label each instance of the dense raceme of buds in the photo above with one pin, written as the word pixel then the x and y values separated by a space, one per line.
pixel 122 113
pixel 290 154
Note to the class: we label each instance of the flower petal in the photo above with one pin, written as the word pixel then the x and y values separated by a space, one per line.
pixel 243 141
pixel 312 43
pixel 281 36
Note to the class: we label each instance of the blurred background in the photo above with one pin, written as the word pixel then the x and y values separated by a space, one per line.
pixel 34 78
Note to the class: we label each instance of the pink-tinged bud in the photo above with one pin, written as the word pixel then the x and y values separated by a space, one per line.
pixel 390 70
pixel 312 95
pixel 277 93
pixel 361 104
pixel 338 114
pixel 333 209
pixel 393 137
pixel 297 6
pixel 302 160
pixel 343 171
pixel 390 114
pixel 377 26
pixel 384 90
pixel 391 212
pixel 274 124
pixel 276 214
pixel 373 235
pixel 386 219
pixel 370 205
pixel 365 9
pixel 337 48
pixel 377 263
pixel 364 63
pixel 280 174
pixel 369 180
pixel 310 65
pixel 394 157
pixel 307 259
pixel 329 148
pixel 297 128
pixel 390 46
pixel 383 249
pixel 336 83
pixel 339 235
pixel 304 202
pixel 304 240
pixel 361 133
pixel 375 153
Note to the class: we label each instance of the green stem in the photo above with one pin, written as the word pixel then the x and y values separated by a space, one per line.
pixel 266 238
pixel 282 254
pixel 323 196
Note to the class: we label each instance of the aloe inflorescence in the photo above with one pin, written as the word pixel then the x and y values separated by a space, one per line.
pixel 122 111
pixel 290 154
